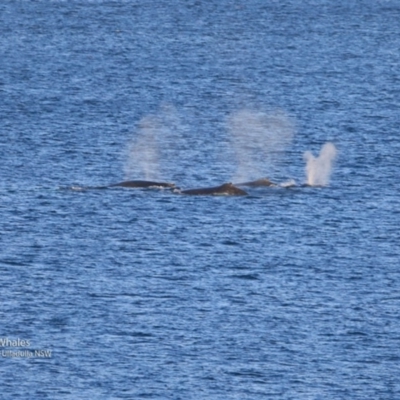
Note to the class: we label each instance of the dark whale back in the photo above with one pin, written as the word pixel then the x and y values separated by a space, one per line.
pixel 143 184
pixel 227 189
pixel 257 183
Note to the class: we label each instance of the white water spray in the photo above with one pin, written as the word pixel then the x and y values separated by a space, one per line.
pixel 259 139
pixel 143 153
pixel 318 169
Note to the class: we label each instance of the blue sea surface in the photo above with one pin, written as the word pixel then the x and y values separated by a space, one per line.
pixel 287 293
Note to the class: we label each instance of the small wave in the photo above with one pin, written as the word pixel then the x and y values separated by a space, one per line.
pixel 289 183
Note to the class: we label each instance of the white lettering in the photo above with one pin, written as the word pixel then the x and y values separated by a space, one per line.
pixel 43 353
pixel 20 354
pixel 6 342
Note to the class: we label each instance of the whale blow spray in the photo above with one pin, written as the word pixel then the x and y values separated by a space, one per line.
pixel 318 169
pixel 143 153
pixel 156 145
pixel 259 140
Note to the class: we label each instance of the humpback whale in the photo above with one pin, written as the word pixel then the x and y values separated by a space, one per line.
pixel 227 189
pixel 143 184
pixel 257 183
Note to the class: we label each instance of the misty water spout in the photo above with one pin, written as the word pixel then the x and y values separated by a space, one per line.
pixel 155 146
pixel 259 139
pixel 143 153
pixel 319 169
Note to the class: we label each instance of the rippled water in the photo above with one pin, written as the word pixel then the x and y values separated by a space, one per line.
pixel 288 293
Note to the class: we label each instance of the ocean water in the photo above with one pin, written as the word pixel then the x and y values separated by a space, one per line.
pixel 287 293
